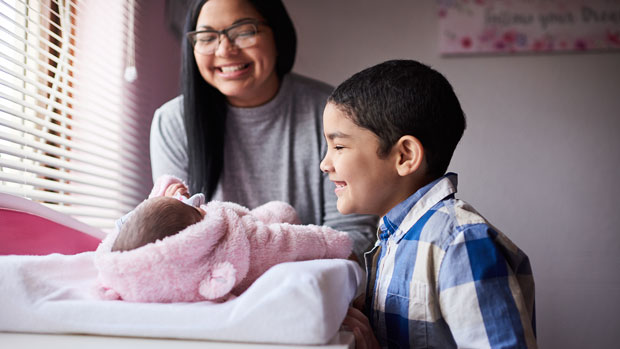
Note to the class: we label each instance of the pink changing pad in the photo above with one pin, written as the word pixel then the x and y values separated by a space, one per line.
pixel 30 228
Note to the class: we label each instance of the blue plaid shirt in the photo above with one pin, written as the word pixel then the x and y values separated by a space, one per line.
pixel 440 276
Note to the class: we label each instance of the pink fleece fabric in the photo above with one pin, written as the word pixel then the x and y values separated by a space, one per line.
pixel 216 258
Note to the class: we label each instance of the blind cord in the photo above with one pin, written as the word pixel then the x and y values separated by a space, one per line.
pixel 131 73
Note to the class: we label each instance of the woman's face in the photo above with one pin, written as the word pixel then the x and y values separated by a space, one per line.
pixel 247 76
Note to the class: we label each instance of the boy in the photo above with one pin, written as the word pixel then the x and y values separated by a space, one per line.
pixel 439 275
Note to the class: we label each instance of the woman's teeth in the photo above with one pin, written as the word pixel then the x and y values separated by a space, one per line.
pixel 233 68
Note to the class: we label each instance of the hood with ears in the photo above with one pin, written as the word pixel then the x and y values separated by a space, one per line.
pixel 205 261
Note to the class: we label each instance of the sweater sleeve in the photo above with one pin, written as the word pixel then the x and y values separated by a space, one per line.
pixel 283 242
pixel 275 243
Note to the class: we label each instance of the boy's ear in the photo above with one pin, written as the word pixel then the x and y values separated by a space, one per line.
pixel 409 155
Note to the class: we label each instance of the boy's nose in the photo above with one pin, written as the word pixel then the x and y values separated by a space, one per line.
pixel 325 166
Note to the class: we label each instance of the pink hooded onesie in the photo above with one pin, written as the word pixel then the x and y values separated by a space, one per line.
pixel 216 258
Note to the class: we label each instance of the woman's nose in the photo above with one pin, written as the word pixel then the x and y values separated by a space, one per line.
pixel 225 47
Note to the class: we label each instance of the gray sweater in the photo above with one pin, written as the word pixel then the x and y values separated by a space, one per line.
pixel 271 152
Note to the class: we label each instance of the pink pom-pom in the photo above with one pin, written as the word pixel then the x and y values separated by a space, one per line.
pixel 109 294
pixel 219 281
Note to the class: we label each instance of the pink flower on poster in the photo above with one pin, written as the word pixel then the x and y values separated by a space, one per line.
pixel 513 26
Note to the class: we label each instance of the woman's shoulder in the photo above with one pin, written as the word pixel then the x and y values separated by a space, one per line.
pixel 172 107
pixel 169 115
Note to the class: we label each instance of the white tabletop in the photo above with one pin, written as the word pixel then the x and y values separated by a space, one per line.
pixel 342 340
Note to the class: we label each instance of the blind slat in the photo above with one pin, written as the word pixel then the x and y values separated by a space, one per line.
pixel 45 184
pixel 109 83
pixel 89 132
pixel 95 169
pixel 60 152
pixel 91 122
pixel 76 173
pixel 54 173
pixel 81 212
pixel 59 140
pixel 90 126
pixel 71 84
pixel 104 39
pixel 65 199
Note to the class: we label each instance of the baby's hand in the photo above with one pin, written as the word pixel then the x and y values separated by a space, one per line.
pixel 176 189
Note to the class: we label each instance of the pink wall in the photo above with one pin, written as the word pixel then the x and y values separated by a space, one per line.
pixel 158 64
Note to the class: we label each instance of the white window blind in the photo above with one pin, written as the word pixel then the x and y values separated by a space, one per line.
pixel 68 133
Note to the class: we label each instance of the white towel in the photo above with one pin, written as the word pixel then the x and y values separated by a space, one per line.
pixel 292 303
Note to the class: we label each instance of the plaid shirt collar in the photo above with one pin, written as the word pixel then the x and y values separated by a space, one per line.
pixel 404 215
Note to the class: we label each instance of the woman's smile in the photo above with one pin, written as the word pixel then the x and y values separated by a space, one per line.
pixel 232 70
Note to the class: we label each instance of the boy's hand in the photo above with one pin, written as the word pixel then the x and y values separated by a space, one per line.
pixel 358 323
pixel 176 188
pixel 359 303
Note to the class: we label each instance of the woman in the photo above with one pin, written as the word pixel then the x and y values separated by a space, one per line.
pixel 245 128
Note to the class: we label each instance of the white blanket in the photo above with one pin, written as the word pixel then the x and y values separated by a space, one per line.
pixel 293 303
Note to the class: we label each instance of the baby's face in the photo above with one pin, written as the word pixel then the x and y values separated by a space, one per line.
pixel 201 211
pixel 180 205
pixel 182 198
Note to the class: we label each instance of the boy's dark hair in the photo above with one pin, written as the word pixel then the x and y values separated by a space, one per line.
pixel 405 97
pixel 153 220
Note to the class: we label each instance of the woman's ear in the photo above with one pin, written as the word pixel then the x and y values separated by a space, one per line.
pixel 409 155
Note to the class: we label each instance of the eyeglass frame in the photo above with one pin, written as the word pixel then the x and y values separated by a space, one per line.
pixel 191 35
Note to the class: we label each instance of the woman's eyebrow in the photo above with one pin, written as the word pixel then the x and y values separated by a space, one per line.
pixel 233 23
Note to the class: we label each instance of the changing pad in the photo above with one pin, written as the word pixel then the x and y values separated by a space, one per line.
pixel 292 303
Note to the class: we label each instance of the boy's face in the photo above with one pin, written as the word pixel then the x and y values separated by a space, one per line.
pixel 363 180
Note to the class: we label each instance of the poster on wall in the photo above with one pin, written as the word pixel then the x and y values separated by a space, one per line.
pixel 519 26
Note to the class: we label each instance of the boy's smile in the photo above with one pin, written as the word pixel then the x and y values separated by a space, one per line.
pixel 363 180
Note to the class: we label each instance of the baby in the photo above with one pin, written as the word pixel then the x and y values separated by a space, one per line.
pixel 174 248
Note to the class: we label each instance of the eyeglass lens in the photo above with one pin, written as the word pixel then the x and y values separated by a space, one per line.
pixel 242 36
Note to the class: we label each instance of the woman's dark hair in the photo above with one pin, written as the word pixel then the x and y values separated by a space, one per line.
pixel 204 107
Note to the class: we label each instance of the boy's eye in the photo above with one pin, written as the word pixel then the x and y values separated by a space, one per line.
pixel 338 147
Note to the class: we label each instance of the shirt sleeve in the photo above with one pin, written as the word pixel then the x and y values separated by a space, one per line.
pixel 479 295
pixel 168 142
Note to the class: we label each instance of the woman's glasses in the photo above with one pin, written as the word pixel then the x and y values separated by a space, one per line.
pixel 241 35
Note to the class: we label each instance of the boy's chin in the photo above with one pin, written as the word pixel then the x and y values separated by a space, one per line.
pixel 343 209
pixel 348 209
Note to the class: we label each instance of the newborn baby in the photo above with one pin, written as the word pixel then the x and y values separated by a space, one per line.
pixel 174 248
